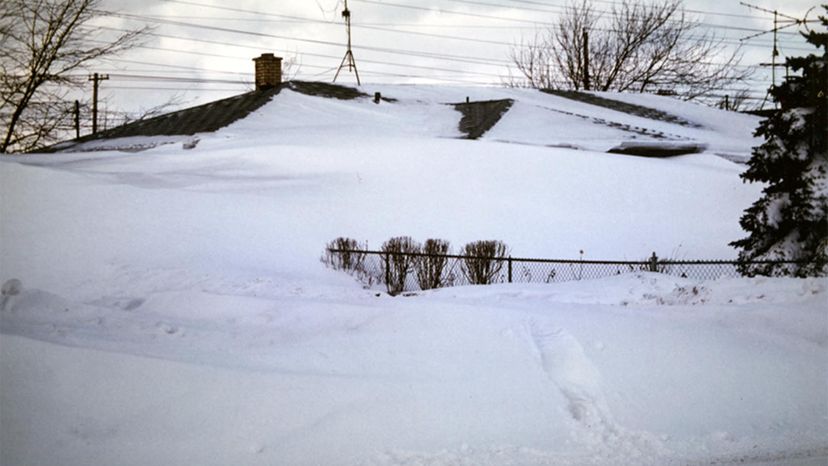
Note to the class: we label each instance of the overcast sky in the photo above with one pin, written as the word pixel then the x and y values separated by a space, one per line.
pixel 201 50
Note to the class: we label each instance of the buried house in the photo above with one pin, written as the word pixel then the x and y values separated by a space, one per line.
pixel 624 124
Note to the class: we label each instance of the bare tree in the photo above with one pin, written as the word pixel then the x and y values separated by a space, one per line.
pixel 42 43
pixel 291 66
pixel 635 46
pixel 534 59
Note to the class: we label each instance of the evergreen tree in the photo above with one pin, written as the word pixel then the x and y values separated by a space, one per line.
pixel 790 221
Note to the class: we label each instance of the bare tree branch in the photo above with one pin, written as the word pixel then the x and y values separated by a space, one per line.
pixel 639 47
pixel 533 59
pixel 43 41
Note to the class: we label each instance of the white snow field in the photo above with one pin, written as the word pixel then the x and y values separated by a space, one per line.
pixel 172 308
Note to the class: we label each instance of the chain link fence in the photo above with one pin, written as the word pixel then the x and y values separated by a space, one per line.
pixel 425 271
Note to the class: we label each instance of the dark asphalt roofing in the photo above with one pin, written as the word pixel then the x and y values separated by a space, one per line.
pixel 214 115
pixel 477 116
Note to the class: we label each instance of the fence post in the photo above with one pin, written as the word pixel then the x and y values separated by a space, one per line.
pixel 654 263
pixel 509 262
pixel 387 269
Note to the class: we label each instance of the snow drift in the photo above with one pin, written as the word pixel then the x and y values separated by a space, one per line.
pixel 171 307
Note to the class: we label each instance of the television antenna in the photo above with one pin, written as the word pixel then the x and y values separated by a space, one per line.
pixel 348 59
pixel 786 21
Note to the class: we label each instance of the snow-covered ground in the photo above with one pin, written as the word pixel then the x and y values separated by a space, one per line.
pixel 174 310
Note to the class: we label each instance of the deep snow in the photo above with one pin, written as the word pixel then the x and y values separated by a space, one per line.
pixel 174 310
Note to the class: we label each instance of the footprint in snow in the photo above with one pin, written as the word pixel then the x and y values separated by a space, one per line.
pixel 10 288
pixel 133 304
pixel 563 359
pixel 167 328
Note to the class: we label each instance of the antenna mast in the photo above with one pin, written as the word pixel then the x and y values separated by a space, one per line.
pixel 788 22
pixel 349 55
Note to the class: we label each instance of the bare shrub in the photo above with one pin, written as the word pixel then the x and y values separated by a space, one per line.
pixel 431 267
pixel 398 262
pixel 345 254
pixel 483 261
pixel 665 266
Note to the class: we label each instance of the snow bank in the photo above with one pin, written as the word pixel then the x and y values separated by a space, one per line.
pixel 511 374
pixel 171 307
pixel 235 204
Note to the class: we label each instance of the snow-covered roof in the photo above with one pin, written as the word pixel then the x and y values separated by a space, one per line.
pixel 633 124
pixel 209 117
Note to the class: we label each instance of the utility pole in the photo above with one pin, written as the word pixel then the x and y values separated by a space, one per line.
pixel 775 48
pixel 77 119
pixel 349 55
pixel 96 79
pixel 586 60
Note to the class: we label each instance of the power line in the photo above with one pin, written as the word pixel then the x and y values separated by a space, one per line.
pixel 614 3
pixel 156 88
pixel 137 77
pixel 517 20
pixel 125 77
pixel 459 13
pixel 426 55
pixel 610 2
pixel 723 40
pixel 374 27
pixel 188 52
pixel 557 6
pixel 156 71
pixel 385 63
pixel 118 76
pixel 361 26
pixel 165 65
pixel 190 69
pixel 406 52
pixel 563 9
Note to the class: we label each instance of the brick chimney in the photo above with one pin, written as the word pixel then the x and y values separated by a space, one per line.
pixel 268 71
